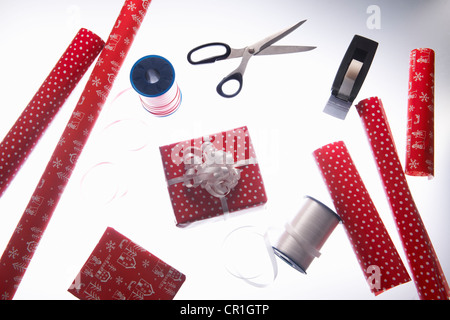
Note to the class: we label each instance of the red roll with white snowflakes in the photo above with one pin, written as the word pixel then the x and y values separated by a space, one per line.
pixel 37 215
pixel 420 128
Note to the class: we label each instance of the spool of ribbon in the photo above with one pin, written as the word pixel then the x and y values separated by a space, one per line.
pixel 211 169
pixel 420 128
pixel 153 78
pixel 37 215
pixel 429 278
pixel 373 247
pixel 40 111
pixel 305 235
pixel 298 244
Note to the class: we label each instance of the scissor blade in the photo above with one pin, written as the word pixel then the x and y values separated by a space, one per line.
pixel 267 42
pixel 284 49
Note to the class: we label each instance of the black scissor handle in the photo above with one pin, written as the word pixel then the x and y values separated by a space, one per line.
pixel 237 76
pixel 210 59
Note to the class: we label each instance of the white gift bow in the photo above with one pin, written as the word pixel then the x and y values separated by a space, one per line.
pixel 212 169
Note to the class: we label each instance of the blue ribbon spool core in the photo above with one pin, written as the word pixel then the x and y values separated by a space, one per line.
pixel 152 76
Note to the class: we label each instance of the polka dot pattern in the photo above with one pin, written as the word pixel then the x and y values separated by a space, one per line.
pixel 368 236
pixel 43 202
pixel 39 113
pixel 195 204
pixel 420 128
pixel 424 265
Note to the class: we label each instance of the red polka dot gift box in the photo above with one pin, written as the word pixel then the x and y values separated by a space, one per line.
pixel 119 269
pixel 212 176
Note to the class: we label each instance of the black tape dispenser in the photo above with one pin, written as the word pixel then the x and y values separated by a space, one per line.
pixel 350 76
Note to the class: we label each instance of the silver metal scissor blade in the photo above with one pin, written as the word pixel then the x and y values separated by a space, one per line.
pixel 284 49
pixel 267 42
pixel 271 50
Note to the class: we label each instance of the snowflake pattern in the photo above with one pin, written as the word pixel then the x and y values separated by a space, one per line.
pixel 99 62
pixel 13 253
pixel 131 6
pixel 413 164
pixel 96 82
pixel 57 163
pixel 110 246
pixel 418 76
pixel 424 97
pixel 145 263
pixel 62 141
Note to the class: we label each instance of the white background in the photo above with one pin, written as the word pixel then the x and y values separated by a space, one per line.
pixel 281 103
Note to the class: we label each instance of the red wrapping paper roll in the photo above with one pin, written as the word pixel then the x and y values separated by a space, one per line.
pixel 373 247
pixel 40 111
pixel 30 229
pixel 428 276
pixel 420 128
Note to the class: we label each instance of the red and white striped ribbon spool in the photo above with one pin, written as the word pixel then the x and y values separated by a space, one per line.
pixel 153 78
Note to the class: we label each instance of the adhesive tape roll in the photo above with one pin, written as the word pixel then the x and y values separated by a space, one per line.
pixel 153 78
pixel 305 235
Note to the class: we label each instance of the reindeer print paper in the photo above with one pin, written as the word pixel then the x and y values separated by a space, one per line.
pixel 37 215
pixel 420 128
pixel 119 269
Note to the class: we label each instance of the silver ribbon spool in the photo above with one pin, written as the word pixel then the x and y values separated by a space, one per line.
pixel 304 236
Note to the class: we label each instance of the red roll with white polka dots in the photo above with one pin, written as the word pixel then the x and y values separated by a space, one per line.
pixel 373 247
pixel 39 113
pixel 428 276
pixel 36 217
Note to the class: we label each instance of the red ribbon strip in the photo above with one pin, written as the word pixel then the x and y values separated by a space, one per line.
pixel 373 247
pixel 40 111
pixel 42 204
pixel 420 128
pixel 428 276
pixel 119 269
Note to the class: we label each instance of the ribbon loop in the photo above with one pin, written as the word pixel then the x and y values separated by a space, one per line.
pixel 213 170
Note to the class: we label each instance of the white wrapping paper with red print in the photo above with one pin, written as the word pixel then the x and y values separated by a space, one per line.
pixel 420 128
pixel 192 204
pixel 119 269
pixel 373 247
pixel 428 276
pixel 28 129
pixel 37 215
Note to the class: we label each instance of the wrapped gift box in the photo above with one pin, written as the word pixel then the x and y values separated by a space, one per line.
pixel 119 269
pixel 212 176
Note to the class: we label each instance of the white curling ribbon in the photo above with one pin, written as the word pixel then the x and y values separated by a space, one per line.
pixel 213 170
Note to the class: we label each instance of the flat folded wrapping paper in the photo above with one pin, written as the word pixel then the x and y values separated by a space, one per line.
pixel 235 161
pixel 30 229
pixel 119 269
pixel 40 111
pixel 420 128
pixel 373 247
pixel 428 276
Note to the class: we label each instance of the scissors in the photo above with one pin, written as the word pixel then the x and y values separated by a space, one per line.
pixel 263 47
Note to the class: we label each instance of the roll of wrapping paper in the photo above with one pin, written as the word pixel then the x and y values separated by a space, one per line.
pixel 40 111
pixel 427 273
pixel 373 247
pixel 420 128
pixel 30 229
